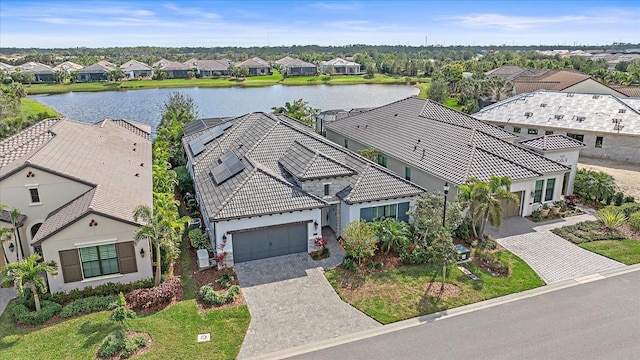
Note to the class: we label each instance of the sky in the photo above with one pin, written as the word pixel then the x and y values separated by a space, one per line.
pixel 70 23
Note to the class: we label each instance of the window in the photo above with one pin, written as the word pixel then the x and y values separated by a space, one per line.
pixel 598 141
pixel 548 195
pixel 346 143
pixel 397 211
pixel 385 211
pixel 576 136
pixel 99 260
pixel 327 189
pixel 537 197
pixel 516 130
pixel 548 132
pixel 532 131
pixel 382 160
pixel 35 196
pixel 407 173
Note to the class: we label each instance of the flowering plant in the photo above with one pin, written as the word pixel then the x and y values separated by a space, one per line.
pixel 320 242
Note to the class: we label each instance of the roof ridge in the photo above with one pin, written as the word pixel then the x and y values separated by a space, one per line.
pixel 319 153
pixel 472 157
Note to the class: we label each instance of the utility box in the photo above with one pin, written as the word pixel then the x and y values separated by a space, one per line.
pixel 203 259
pixel 464 254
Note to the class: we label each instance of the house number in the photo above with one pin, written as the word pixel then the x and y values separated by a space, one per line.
pixel 562 159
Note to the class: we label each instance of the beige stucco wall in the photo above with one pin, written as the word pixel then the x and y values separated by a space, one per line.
pixel 591 86
pixel 80 234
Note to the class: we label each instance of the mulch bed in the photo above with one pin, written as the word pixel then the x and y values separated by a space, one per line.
pixel 435 289
pixel 562 215
pixel 629 233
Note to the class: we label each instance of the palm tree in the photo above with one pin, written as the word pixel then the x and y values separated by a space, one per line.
pixel 28 272
pixel 468 200
pixel 391 233
pixel 491 194
pixel 601 185
pixel 16 224
pixel 5 235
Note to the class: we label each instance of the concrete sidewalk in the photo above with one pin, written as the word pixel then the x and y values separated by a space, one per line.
pixel 6 294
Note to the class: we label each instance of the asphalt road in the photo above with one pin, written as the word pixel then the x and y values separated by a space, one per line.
pixel 596 320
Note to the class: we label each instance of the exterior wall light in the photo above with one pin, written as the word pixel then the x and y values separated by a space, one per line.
pixel 141 252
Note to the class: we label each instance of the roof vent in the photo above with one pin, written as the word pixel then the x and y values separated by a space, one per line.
pixel 570 95
pixel 580 118
pixel 622 111
pixel 142 164
pixel 559 117
pixel 137 175
pixel 595 97
pixel 543 105
pixel 528 114
pixel 395 114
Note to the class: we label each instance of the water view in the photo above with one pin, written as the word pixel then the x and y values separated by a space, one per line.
pixel 145 105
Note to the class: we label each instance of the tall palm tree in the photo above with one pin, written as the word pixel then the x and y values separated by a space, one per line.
pixel 492 193
pixel 468 198
pixel 28 272
pixel 5 236
pixel 16 224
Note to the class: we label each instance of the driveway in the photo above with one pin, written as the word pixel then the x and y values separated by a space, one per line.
pixel 292 303
pixel 6 294
pixel 552 257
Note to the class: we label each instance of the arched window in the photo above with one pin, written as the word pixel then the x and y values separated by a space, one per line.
pixel 34 230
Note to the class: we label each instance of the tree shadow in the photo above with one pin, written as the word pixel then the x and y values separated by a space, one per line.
pixel 94 333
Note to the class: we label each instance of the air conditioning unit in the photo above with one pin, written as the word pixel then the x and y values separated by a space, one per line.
pixel 203 259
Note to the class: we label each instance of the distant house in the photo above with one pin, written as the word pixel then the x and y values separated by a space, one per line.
pixel 256 66
pixel 134 69
pixel 6 68
pixel 96 72
pixel 327 116
pixel 41 72
pixel 209 68
pixel 176 70
pixel 297 67
pixel 68 66
pixel 160 63
pixel 341 67
pixel 76 186
pixel 608 125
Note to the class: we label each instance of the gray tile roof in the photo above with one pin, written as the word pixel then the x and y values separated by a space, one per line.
pixel 210 65
pixel 135 65
pixel 443 142
pixel 263 142
pixel 285 60
pixel 307 164
pixel 552 142
pixel 5 216
pixel 570 111
pixel 201 124
pixel 35 68
pixel 254 62
pixel 65 215
pixel 99 67
pixel 174 65
pixel 297 63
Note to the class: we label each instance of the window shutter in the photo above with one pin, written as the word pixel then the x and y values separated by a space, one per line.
pixel 402 211
pixel 366 214
pixel 70 264
pixel 127 257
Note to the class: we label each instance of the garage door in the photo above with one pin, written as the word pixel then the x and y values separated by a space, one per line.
pixel 269 242
pixel 510 208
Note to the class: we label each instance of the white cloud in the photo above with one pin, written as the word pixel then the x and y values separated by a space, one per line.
pixel 334 6
pixel 508 22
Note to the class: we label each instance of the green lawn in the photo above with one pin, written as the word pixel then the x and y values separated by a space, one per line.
pixel 399 294
pixel 30 107
pixel 625 251
pixel 173 331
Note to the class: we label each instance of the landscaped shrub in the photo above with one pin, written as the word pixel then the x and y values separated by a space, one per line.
pixel 88 305
pixel 630 208
pixel 414 254
pixel 160 295
pixel 110 289
pixel 27 298
pixel 24 315
pixel 634 221
pixel 629 199
pixel 117 342
pixel 359 240
pixel 493 263
pixel 198 240
pixel 210 297
pixel 349 264
pixel 618 198
pixel 225 278
pixel 611 217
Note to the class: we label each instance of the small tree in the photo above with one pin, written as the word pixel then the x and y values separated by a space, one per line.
pixel 28 272
pixel 120 312
pixel 426 216
pixel 369 153
pixel 443 253
pixel 359 240
pixel 437 91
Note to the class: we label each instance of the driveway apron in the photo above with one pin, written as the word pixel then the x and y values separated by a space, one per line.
pixel 292 303
pixel 552 257
pixel 6 294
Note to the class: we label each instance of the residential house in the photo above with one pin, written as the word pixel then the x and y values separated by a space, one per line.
pixel 76 186
pixel 267 185
pixel 256 66
pixel 96 72
pixel 340 66
pixel 68 66
pixel 209 68
pixel 41 72
pixel 431 145
pixel 160 63
pixel 6 68
pixel 176 70
pixel 608 125
pixel 297 67
pixel 134 69
pixel 326 116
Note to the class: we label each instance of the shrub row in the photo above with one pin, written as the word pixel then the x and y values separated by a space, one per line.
pixel 110 289
pixel 143 299
pixel 118 341
pixel 210 297
pixel 24 315
pixel 88 305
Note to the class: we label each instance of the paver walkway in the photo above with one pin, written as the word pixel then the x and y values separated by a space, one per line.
pixel 552 257
pixel 6 294
pixel 292 303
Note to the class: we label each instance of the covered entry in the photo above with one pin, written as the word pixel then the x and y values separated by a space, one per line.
pixel 269 242
pixel 510 208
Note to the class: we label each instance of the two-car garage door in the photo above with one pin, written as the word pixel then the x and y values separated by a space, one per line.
pixel 268 242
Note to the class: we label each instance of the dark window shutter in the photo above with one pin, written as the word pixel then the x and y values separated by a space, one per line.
pixel 366 214
pixel 402 211
pixel 126 257
pixel 70 264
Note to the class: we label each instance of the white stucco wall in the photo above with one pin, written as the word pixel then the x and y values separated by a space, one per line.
pixel 568 157
pixel 80 234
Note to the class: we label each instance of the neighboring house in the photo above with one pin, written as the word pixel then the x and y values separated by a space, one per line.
pixel 509 72
pixel 431 144
pixel 96 72
pixel 340 67
pixel 630 91
pixel 324 117
pixel 209 68
pixel 68 66
pixel 134 69
pixel 176 70
pixel 76 186
pixel 609 126
pixel 42 72
pixel 6 68
pixel 256 66
pixel 297 67
pixel 267 185
pixel 160 63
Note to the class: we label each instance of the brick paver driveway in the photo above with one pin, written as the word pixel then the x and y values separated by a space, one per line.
pixel 292 303
pixel 552 257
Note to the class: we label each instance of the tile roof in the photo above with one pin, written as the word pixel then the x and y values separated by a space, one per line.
pixel 99 67
pixel 631 91
pixel 174 65
pixel 254 62
pixel 69 66
pixel 201 124
pixel 339 62
pixel 6 67
pixel 5 216
pixel 297 63
pixel 211 65
pixel 443 142
pixel 35 68
pixel 65 215
pixel 571 111
pixel 285 60
pixel 107 155
pixel 552 142
pixel 135 65
pixel 264 143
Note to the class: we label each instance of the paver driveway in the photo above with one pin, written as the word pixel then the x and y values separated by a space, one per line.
pixel 292 303
pixel 552 257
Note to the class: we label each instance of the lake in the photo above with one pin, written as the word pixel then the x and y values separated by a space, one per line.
pixel 146 105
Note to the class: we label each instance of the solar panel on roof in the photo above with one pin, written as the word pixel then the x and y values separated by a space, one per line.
pixel 225 126
pixel 234 167
pixel 227 169
pixel 196 146
pixel 227 156
pixel 220 174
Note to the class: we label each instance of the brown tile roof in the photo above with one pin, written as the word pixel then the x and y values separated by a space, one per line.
pixel 630 91
pixel 174 65
pixel 135 65
pixel 254 62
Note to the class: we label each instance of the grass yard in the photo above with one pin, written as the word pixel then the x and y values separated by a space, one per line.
pixel 173 331
pixel 399 294
pixel 30 107
pixel 625 251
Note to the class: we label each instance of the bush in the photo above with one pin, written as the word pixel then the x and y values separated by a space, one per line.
pixel 634 221
pixel 118 341
pixel 618 198
pixel 87 305
pixel 210 297
pixel 629 199
pixel 198 240
pixel 630 208
pixel 611 217
pixel 414 254
pixel 225 278
pixel 465 230
pixel 349 264
pixel 359 240
pixel 160 295
pixel 23 315
pixel 110 289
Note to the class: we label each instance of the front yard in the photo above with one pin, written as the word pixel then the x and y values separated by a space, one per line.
pixel 400 293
